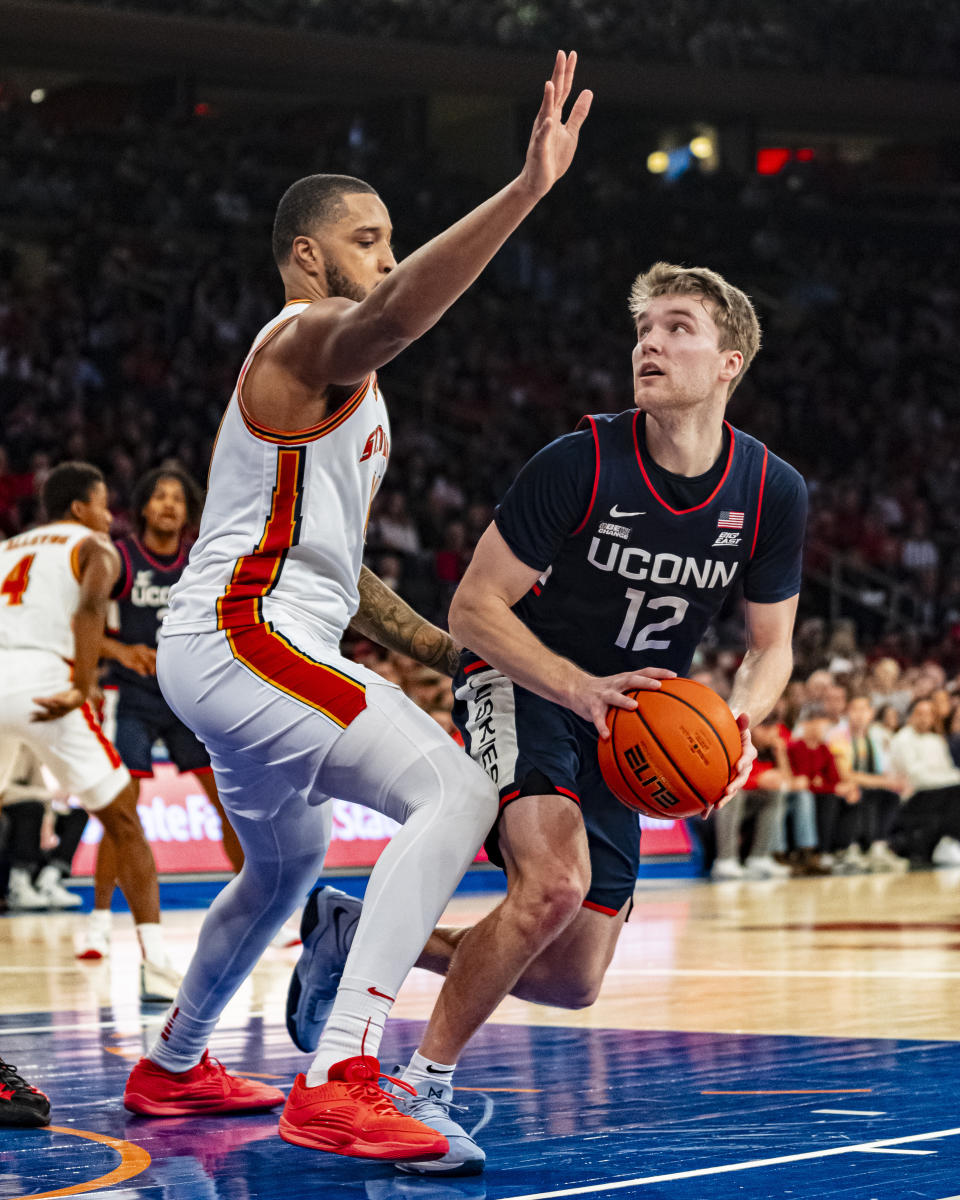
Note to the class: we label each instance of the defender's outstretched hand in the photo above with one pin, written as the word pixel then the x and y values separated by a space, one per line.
pixel 553 143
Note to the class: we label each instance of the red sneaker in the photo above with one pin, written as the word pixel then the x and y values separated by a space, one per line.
pixel 351 1114
pixel 154 1091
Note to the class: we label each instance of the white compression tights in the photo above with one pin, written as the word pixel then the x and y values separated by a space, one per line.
pixel 392 758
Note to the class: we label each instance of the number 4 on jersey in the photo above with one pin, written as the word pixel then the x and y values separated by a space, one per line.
pixel 16 582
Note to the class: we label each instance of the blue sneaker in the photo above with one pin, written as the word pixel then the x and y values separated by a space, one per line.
pixel 431 1106
pixel 327 927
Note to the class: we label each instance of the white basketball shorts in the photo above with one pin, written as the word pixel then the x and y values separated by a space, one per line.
pixel 270 707
pixel 74 747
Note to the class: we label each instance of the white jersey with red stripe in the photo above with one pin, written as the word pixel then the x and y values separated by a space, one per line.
pixel 40 587
pixel 281 539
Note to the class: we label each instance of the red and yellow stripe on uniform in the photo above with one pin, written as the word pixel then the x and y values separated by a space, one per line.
pixel 86 711
pixel 254 641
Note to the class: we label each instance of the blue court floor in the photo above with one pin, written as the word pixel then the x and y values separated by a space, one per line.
pixel 560 1111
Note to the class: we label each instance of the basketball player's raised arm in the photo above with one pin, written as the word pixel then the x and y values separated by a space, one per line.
pixel 99 564
pixel 388 620
pixel 340 341
pixel 481 618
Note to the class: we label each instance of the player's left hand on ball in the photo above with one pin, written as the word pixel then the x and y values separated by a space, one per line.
pixel 54 707
pixel 744 763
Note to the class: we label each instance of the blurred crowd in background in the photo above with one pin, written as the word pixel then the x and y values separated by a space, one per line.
pixel 135 270
pixel 820 36
pixel 120 343
pixel 858 769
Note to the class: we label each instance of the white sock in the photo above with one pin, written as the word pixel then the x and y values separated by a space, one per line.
pixel 151 943
pixel 182 1041
pixel 101 920
pixel 424 1070
pixel 355 1027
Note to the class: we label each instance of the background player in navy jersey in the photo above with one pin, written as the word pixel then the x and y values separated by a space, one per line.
pixel 165 503
pixel 609 555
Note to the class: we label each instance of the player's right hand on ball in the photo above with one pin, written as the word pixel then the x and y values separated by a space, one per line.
pixel 596 696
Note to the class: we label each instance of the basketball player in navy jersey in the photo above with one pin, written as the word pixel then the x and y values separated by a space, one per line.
pixel 611 552
pixel 165 502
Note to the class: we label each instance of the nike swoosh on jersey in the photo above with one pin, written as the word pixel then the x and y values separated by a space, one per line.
pixel 615 512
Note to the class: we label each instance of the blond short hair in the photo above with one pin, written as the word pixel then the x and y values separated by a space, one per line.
pixel 732 312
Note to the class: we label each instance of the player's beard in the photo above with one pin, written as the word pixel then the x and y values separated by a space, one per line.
pixel 339 284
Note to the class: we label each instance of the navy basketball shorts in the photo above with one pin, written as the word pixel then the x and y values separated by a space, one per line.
pixel 138 723
pixel 532 747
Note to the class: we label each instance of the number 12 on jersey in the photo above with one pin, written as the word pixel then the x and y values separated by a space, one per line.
pixel 16 581
pixel 643 640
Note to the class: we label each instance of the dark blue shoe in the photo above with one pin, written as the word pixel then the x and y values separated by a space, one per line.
pixel 327 927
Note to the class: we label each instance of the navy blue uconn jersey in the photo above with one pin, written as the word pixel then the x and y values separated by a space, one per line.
pixel 636 562
pixel 141 594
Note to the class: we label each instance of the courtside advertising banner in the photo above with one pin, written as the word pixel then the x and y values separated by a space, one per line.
pixel 184 830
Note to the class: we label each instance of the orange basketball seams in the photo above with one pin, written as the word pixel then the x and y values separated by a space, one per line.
pixel 675 754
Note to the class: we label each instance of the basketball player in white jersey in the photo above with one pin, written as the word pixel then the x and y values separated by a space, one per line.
pixel 249 656
pixel 55 586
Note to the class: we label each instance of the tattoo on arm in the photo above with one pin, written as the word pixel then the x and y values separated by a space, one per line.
pixel 385 618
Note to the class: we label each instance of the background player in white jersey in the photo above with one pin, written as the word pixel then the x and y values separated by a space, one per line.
pixel 55 584
pixel 249 656
pixel 164 503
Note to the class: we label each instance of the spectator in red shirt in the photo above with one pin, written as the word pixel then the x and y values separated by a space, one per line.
pixel 810 756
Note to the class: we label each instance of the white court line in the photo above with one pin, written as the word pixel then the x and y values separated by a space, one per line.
pixel 850 1112
pixel 757 973
pixel 886 1150
pixel 146 1022
pixel 37 971
pixel 58 1028
pixel 752 1164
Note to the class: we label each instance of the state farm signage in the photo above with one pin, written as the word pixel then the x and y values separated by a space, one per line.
pixel 184 830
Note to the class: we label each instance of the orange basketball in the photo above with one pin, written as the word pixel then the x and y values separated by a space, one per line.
pixel 674 754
